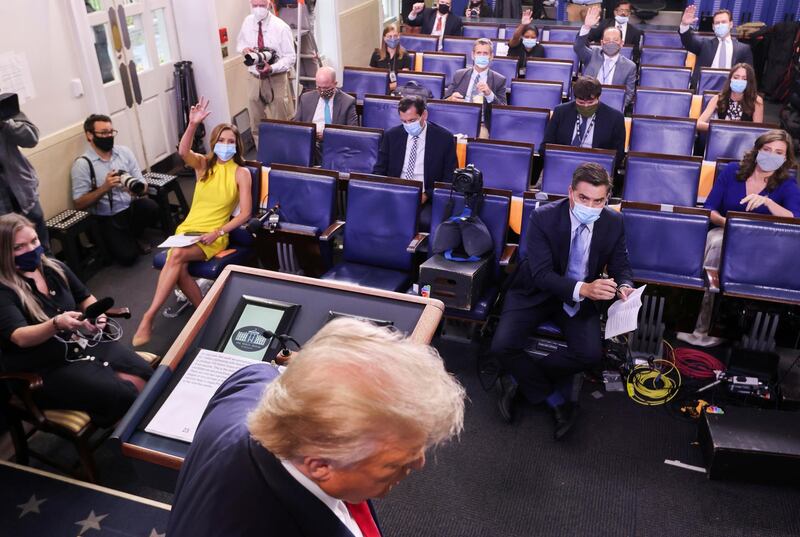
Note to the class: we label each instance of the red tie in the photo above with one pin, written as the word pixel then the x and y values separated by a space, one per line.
pixel 260 37
pixel 438 24
pixel 362 516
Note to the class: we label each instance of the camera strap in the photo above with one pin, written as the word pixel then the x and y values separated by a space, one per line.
pixel 93 179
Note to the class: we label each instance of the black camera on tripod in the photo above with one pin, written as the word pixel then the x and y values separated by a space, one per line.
pixel 468 181
pixel 261 57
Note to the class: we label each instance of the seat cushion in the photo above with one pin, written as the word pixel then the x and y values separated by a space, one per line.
pixel 368 276
pixel 73 420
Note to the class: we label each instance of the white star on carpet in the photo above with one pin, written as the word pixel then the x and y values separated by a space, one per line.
pixel 154 533
pixel 31 506
pixel 92 522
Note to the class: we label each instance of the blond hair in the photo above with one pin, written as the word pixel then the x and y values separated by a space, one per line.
pixel 352 388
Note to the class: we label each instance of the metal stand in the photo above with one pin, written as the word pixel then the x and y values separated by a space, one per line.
pixel 648 340
pixel 181 302
pixel 762 333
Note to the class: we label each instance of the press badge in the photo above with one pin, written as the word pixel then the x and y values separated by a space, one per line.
pixel 392 77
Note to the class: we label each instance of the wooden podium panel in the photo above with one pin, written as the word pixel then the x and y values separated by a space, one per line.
pixel 415 316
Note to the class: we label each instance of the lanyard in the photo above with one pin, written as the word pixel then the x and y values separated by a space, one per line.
pixel 589 126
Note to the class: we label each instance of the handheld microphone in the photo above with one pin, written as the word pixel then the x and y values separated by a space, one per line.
pixel 270 218
pixel 93 311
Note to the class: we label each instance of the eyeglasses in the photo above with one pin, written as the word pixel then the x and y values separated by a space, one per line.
pixel 106 134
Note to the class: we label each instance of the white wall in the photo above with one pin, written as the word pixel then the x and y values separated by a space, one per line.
pixel 230 14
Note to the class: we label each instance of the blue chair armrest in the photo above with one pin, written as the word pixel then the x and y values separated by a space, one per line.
pixel 333 230
pixel 417 242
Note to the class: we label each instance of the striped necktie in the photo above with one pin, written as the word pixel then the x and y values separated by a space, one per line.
pixel 412 160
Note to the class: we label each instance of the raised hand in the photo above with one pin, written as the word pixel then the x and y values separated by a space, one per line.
pixel 418 7
pixel 527 17
pixel 199 112
pixel 592 16
pixel 688 17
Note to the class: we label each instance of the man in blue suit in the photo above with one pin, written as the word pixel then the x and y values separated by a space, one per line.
pixel 569 244
pixel 586 122
pixel 720 52
pixel 417 150
pixel 347 421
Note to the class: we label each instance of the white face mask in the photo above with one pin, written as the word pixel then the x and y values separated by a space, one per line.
pixel 259 13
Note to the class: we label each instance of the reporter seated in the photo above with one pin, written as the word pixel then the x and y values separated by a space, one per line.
pixel 738 101
pixel 41 305
pixel 223 181
pixel 524 44
pixel 391 55
pixel 108 183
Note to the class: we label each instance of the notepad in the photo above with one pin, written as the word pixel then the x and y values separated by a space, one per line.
pixel 179 241
pixel 623 315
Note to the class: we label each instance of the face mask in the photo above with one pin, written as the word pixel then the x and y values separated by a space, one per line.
pixel 260 13
pixel 529 43
pixel 611 49
pixel 769 162
pixel 587 111
pixel 586 215
pixel 444 9
pixel 414 128
pixel 29 261
pixel 392 42
pixel 721 30
pixel 224 151
pixel 620 19
pixel 481 61
pixel 104 144
pixel 738 85
pixel 326 93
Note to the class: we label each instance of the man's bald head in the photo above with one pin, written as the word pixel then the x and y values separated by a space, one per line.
pixel 326 77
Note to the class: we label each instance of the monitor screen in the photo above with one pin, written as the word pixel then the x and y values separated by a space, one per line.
pixel 245 334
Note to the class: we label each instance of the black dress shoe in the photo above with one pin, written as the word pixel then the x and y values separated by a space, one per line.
pixel 564 416
pixel 508 391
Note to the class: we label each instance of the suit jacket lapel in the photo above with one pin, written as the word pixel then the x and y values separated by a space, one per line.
pixel 564 237
pixel 313 105
pixel 429 152
pixel 598 233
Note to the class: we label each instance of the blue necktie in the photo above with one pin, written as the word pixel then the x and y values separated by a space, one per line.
pixel 328 111
pixel 576 266
pixel 577 140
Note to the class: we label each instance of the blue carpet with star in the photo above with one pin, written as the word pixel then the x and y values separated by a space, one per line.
pixel 34 503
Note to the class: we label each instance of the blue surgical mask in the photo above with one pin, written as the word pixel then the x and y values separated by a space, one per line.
pixel 620 19
pixel 769 162
pixel 392 42
pixel 413 128
pixel 529 43
pixel 29 261
pixel 224 151
pixel 586 215
pixel 738 85
pixel 481 61
pixel 721 30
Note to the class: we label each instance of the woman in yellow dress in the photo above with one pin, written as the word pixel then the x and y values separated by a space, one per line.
pixel 223 181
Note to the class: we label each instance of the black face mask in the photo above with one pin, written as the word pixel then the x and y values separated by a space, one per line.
pixel 104 144
pixel 444 9
pixel 29 261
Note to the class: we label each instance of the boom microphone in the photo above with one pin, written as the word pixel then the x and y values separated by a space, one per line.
pixel 93 311
pixel 269 220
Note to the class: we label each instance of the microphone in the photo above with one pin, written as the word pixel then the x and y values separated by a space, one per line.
pixel 270 218
pixel 93 311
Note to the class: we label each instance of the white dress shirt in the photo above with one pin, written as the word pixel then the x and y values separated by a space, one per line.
pixel 606 73
pixel 319 114
pixel 622 28
pixel 419 163
pixel 336 506
pixel 573 225
pixel 277 35
pixel 476 78
pixel 439 17
pixel 717 63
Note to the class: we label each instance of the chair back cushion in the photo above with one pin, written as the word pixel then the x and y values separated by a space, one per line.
pixel 662 39
pixel 459 45
pixel 434 82
pixel 551 70
pixel 504 165
pixel 614 97
pixel 350 149
pixel 560 162
pixel 732 139
pixel 513 124
pixel 475 31
pixel 458 118
pixel 653 76
pixel 667 180
pixel 655 102
pixel 536 94
pixel 506 67
pixel 561 51
pixel 284 142
pixel 445 63
pixel 669 136
pixel 419 43
pixel 306 197
pixel 711 79
pixel 672 57
pixel 362 80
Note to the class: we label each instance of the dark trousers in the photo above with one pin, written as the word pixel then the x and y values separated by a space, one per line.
pixel 539 378
pixel 118 233
pixel 36 215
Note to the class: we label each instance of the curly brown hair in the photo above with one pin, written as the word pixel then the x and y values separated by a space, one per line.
pixel 748 164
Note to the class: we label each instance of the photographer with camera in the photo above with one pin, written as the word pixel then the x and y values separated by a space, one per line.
pixel 19 184
pixel 269 92
pixel 477 9
pixel 107 182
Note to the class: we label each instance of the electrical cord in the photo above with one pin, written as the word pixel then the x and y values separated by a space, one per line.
pixel 110 333
pixel 696 364
pixel 650 385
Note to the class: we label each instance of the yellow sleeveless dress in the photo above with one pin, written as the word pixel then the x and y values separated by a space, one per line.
pixel 214 200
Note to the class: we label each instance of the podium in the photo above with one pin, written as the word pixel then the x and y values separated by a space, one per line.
pixel 158 459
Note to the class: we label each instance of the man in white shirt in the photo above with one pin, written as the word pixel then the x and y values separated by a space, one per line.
pixel 269 92
pixel 439 22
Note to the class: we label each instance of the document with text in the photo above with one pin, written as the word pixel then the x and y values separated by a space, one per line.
pixel 623 315
pixel 180 414
pixel 179 241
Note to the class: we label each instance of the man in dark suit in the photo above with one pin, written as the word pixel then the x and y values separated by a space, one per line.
pixel 327 105
pixel 586 122
pixel 418 150
pixel 720 52
pixel 439 22
pixel 569 244
pixel 479 83
pixel 631 35
pixel 300 459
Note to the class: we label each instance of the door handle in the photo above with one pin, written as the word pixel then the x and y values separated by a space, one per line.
pixel 126 84
pixel 116 35
pixel 123 24
pixel 137 89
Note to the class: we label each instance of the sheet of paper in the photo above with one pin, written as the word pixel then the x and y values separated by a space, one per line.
pixel 623 315
pixel 180 414
pixel 179 241
pixel 16 77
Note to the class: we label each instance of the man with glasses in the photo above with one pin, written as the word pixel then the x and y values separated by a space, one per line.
pixel 100 186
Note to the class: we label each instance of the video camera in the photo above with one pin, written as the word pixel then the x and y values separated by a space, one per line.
pixel 134 184
pixel 261 57
pixel 9 105
pixel 468 182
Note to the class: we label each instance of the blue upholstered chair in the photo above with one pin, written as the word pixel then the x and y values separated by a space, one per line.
pixel 519 124
pixel 560 35
pixel 363 80
pixel 665 135
pixel 506 67
pixel 560 162
pixel 494 213
pixel 489 31
pixel 680 236
pixel 433 81
pixel 286 142
pixel 457 117
pixel 240 249
pixel 552 70
pixel 661 39
pixel 380 112
pixel 536 93
pixel 419 43
pixel 561 51
pixel 614 96
pixel 446 63
pixel 381 223
pixel 673 57
pixel 711 79
pixel 459 45
pixel 505 165
pixel 667 179
pixel 732 139
pixel 350 149
pixel 653 76
pixel 707 95
pixel 662 102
